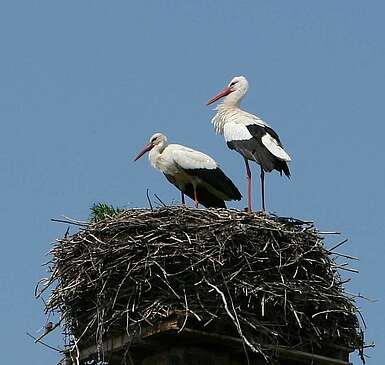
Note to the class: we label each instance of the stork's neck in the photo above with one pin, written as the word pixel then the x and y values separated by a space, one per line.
pixel 232 100
pixel 156 152
pixel 226 112
pixel 235 97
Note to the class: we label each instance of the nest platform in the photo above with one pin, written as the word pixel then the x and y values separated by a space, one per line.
pixel 263 288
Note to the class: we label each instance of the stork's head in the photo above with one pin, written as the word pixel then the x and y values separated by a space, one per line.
pixel 157 139
pixel 233 92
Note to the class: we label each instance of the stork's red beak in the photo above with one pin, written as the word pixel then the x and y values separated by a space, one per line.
pixel 224 92
pixel 146 148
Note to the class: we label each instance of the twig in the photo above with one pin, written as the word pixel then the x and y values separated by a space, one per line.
pixel 43 343
pixel 186 312
pixel 247 342
pixel 47 331
pixel 237 323
pixel 148 199
pixel 74 223
pixel 338 245
pixel 161 202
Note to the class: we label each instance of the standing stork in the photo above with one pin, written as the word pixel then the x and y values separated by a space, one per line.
pixel 248 135
pixel 194 173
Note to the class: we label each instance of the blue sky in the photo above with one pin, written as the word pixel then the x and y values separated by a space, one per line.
pixel 85 83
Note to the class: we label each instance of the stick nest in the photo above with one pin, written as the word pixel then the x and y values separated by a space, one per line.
pixel 270 278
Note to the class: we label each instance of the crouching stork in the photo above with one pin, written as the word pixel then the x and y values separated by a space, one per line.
pixel 248 135
pixel 194 173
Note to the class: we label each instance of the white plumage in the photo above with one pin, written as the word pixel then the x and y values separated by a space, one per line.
pixel 236 132
pixel 273 146
pixel 228 113
pixel 190 159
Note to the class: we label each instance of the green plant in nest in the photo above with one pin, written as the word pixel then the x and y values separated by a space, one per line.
pixel 102 211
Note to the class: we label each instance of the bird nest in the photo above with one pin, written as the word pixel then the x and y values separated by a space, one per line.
pixel 270 278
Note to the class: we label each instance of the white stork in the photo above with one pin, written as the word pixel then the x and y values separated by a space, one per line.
pixel 249 135
pixel 194 173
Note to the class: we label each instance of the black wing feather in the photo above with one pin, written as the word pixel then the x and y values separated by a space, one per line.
pixel 205 198
pixel 218 180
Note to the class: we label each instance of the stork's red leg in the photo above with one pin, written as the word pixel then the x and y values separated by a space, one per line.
pixel 182 195
pixel 196 197
pixel 263 188
pixel 249 195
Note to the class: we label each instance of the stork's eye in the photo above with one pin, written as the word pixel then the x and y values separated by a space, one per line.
pixel 233 83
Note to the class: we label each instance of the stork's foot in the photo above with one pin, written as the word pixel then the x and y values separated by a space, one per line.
pixel 257 212
pixel 262 212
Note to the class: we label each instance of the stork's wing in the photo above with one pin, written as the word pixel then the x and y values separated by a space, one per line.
pixel 189 159
pixel 202 166
pixel 205 198
pixel 252 135
pixel 270 140
pixel 275 147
